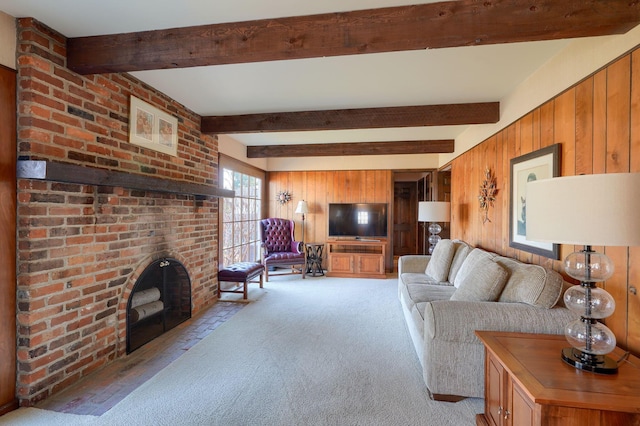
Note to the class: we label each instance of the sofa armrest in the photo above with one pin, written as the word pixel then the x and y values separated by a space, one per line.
pixel 413 264
pixel 456 321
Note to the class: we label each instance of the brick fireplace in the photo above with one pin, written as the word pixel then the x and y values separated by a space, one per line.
pixel 160 301
pixel 82 246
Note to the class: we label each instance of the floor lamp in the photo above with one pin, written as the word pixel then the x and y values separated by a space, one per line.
pixel 302 209
pixel 587 210
pixel 434 211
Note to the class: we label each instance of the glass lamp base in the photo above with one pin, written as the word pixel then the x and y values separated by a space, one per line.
pixel 584 361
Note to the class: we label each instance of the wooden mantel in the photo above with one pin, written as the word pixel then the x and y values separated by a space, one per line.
pixel 71 173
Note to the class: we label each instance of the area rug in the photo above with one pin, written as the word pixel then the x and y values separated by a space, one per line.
pixel 319 351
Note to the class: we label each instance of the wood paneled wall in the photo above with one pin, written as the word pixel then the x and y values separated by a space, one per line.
pixel 8 202
pixel 597 123
pixel 319 188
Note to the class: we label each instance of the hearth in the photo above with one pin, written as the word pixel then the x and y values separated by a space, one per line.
pixel 160 300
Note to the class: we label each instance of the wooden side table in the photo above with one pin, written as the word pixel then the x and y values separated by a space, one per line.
pixel 527 383
pixel 314 258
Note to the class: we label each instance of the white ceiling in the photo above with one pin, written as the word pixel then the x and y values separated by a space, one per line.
pixel 456 75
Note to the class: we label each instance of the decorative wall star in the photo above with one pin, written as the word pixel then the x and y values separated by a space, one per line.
pixel 284 197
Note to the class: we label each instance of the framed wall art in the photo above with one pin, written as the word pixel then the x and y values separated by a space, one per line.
pixel 152 128
pixel 541 164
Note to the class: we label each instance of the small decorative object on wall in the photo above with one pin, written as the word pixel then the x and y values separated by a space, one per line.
pixel 541 164
pixel 151 128
pixel 284 197
pixel 488 191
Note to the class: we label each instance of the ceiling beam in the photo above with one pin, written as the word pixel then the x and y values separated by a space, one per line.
pixel 364 118
pixel 426 26
pixel 356 148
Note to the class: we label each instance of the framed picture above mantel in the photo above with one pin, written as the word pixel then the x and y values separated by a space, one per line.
pixel 541 164
pixel 152 128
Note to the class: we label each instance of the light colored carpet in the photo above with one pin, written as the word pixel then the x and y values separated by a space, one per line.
pixel 320 351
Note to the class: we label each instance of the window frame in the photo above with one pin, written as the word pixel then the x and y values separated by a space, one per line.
pixel 247 249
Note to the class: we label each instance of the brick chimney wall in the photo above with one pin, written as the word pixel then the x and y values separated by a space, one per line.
pixel 81 247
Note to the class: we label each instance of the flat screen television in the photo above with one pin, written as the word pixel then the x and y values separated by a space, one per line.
pixel 358 220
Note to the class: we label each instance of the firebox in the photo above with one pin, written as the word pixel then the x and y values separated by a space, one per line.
pixel 160 300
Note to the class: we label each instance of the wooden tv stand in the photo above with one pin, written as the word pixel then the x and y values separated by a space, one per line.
pixel 362 258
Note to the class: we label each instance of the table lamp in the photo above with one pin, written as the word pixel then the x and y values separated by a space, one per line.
pixel 587 210
pixel 434 211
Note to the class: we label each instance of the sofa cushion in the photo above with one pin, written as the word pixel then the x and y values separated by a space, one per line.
pixel 438 266
pixel 462 251
pixel 530 284
pixel 412 295
pixel 416 293
pixel 560 303
pixel 475 256
pixel 482 278
pixel 417 278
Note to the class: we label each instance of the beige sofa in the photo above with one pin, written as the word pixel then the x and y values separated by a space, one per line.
pixel 445 297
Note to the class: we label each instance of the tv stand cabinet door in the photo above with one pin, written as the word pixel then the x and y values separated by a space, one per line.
pixel 341 264
pixel 370 265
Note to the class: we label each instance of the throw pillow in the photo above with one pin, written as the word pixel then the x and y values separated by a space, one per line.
pixel 531 284
pixel 565 287
pixel 470 262
pixel 462 251
pixel 440 262
pixel 483 284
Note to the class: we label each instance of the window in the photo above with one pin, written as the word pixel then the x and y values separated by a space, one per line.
pixel 363 218
pixel 240 215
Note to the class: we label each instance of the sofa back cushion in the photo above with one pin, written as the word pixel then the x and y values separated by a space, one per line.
pixel 480 278
pixel 565 286
pixel 438 266
pixel 530 284
pixel 470 262
pixel 462 251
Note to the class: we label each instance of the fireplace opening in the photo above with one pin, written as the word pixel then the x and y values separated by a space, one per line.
pixel 160 300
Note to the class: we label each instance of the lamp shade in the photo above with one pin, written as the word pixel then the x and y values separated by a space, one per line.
pixel 434 211
pixel 302 207
pixel 600 209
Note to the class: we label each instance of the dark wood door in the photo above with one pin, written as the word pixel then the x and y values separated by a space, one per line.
pixel 444 194
pixel 7 240
pixel 405 212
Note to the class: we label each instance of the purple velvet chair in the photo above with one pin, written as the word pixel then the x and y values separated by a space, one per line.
pixel 279 247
